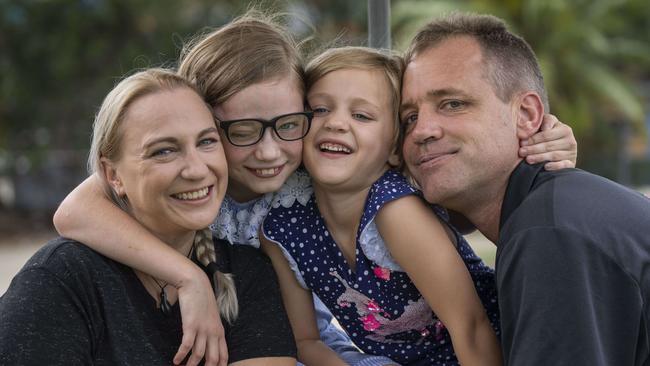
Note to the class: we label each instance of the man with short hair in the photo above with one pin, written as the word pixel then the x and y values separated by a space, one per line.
pixel 573 249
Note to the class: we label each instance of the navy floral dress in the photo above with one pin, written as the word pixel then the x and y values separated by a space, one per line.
pixel 378 305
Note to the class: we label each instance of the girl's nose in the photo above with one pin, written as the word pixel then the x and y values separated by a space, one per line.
pixel 336 123
pixel 268 148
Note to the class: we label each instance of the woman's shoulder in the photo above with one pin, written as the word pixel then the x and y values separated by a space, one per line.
pixel 68 264
pixel 65 256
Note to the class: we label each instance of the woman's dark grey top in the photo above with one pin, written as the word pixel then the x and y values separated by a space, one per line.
pixel 69 305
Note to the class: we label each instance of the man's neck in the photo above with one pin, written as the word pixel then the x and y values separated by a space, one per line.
pixel 486 218
pixel 484 208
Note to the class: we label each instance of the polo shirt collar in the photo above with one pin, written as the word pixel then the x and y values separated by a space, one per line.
pixel 521 182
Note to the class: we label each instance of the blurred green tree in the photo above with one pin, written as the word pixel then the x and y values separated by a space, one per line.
pixel 58 58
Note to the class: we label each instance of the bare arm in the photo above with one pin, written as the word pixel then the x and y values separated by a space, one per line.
pixel 90 217
pixel 436 269
pixel 300 309
pixel 554 143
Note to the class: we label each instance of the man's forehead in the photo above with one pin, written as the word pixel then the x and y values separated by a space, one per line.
pixel 456 51
pixel 443 69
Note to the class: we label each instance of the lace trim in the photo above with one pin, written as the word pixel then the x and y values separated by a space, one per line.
pixel 374 248
pixel 296 188
pixel 239 223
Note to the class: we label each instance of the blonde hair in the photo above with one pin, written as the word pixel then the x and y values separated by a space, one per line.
pixel 390 65
pixel 106 143
pixel 251 49
pixel 224 285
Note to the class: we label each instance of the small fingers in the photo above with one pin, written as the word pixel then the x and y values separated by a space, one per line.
pixel 545 136
pixel 549 121
pixel 185 347
pixel 557 165
pixel 551 156
pixel 544 147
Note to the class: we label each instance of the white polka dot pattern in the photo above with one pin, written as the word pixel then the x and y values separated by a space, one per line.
pixel 377 304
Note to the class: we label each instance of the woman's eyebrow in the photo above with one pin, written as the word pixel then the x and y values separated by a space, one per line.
pixel 149 144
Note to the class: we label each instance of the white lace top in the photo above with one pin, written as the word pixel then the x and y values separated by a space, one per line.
pixel 239 223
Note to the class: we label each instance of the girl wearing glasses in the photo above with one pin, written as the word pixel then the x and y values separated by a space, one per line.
pixel 251 74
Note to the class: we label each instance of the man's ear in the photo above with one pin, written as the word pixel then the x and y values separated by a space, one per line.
pixel 112 177
pixel 529 114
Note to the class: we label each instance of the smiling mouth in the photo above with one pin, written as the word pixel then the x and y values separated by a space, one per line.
pixel 432 159
pixel 193 195
pixel 266 172
pixel 334 148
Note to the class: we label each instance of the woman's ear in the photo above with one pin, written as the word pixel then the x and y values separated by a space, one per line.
pixel 112 177
pixel 529 114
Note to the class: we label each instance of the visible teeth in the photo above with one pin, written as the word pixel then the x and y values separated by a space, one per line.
pixel 194 195
pixel 334 147
pixel 268 171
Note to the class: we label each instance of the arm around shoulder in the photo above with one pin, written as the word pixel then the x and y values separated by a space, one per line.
pixel 90 217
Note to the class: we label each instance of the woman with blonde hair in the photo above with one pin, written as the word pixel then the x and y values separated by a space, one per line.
pixel 157 154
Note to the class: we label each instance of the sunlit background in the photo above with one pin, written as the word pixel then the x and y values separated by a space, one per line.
pixel 58 58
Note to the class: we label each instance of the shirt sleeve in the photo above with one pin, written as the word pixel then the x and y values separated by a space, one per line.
pixel 338 340
pixel 565 302
pixel 42 322
pixel 262 327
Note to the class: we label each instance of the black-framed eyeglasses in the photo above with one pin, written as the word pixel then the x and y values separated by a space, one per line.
pixel 249 131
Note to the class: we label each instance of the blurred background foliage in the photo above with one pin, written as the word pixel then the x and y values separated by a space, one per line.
pixel 58 58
